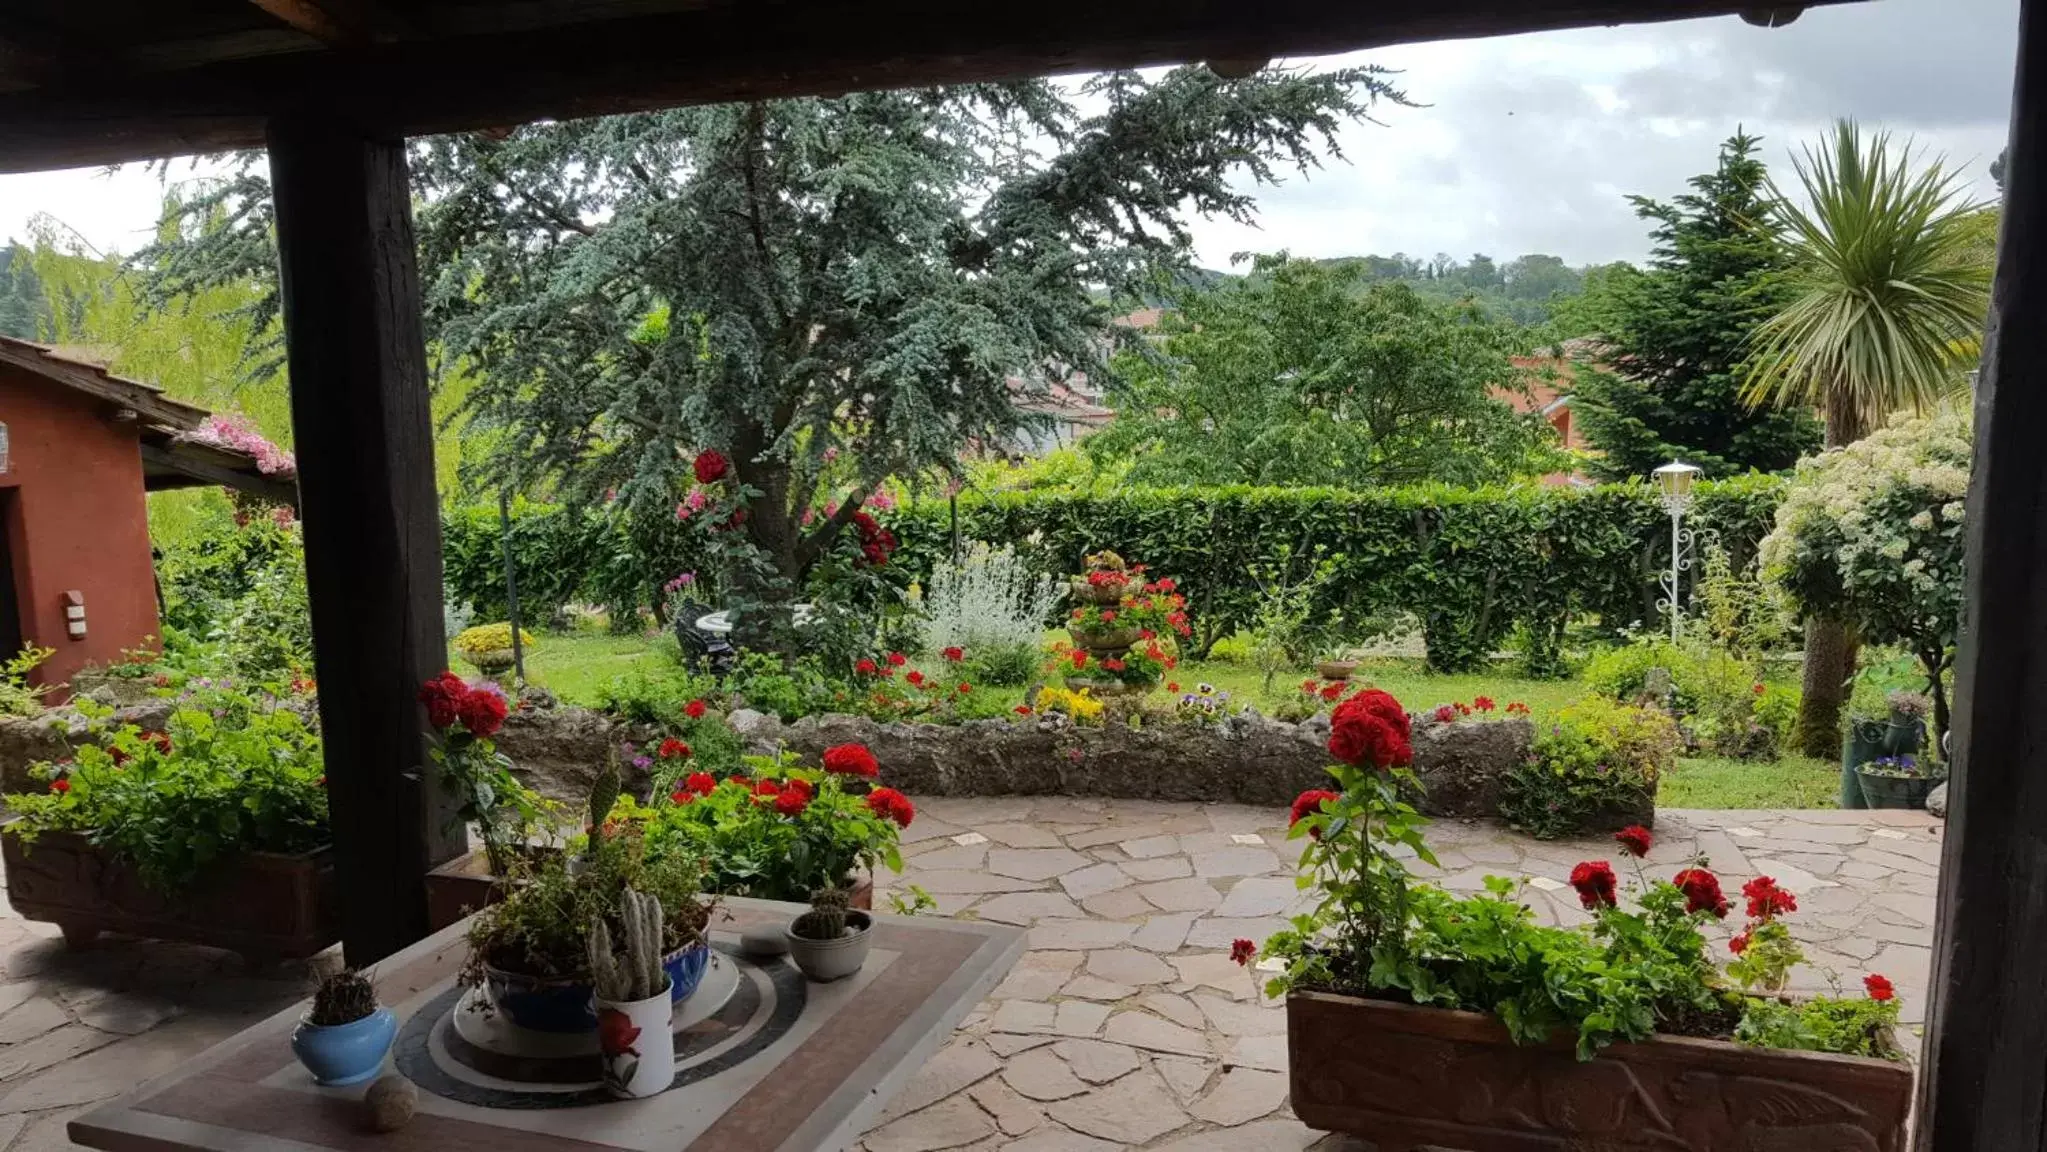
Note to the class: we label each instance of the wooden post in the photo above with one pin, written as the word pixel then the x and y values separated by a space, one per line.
pixel 1983 1068
pixel 364 439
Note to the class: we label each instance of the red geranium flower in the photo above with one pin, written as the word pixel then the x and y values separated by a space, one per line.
pixel 792 802
pixel 1112 664
pixel 866 667
pixel 897 659
pixel 954 654
pixel 1445 714
pixel 1878 987
pixel 965 688
pixel 851 760
pixel 766 788
pixel 162 741
pixel 440 696
pixel 673 749
pixel 1022 709
pixel 915 678
pixel 1307 685
pixel 1739 944
pixel 695 709
pixel 1482 703
pixel 60 785
pixel 1766 899
pixel 1080 657
pixel 482 712
pixel 1308 804
pixel 1370 730
pixel 681 797
pixel 1702 891
pixel 891 805
pixel 1242 950
pixel 710 466
pixel 1333 692
pixel 701 783
pixel 1517 708
pixel 1758 689
pixel 1596 884
pixel 1636 839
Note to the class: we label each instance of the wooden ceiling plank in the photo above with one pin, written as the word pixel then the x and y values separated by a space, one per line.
pixel 741 51
pixel 342 23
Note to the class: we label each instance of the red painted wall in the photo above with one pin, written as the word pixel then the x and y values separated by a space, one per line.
pixel 76 519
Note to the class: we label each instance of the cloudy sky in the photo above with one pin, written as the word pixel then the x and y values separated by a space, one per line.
pixel 1521 145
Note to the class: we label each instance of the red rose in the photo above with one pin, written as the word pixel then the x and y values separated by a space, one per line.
pixel 954 654
pixel 1739 944
pixel 1242 950
pixel 1702 891
pixel 1878 987
pixel 482 712
pixel 701 783
pixel 695 709
pixel 1595 882
pixel 891 805
pixel 711 466
pixel 1636 839
pixel 60 785
pixel 851 760
pixel 673 749
pixel 1766 899
pixel 1308 804
pixel 616 1034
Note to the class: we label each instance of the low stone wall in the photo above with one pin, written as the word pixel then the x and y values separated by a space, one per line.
pixel 53 735
pixel 1246 759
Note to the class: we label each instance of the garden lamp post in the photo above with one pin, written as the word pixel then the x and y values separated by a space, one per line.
pixel 1674 486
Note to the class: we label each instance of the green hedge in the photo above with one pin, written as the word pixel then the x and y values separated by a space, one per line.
pixel 1481 568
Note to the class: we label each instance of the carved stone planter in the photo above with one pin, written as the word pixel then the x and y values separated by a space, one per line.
pixel 465 884
pixel 1410 1078
pixel 265 906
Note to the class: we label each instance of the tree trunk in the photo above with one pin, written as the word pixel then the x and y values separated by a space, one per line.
pixel 1829 650
pixel 1829 662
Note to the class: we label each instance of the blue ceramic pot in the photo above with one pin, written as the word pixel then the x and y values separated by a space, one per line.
pixel 351 1053
pixel 570 1005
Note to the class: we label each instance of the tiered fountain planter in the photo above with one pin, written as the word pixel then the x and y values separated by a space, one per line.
pixel 1120 610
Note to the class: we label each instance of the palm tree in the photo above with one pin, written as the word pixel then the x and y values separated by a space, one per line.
pixel 1892 287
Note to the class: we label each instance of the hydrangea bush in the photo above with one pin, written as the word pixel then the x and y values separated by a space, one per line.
pixel 1874 535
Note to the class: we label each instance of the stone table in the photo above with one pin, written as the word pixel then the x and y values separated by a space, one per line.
pixel 786 1065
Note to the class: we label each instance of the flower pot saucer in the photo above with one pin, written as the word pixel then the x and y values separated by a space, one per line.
pixel 492 1031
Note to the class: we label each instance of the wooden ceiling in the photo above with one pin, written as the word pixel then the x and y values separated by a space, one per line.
pixel 103 81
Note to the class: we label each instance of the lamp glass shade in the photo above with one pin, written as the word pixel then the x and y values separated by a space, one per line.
pixel 1674 480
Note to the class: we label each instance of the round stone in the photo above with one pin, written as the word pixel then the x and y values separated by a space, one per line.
pixel 392 1100
pixel 765 942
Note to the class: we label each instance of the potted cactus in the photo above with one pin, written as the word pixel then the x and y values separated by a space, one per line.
pixel 829 942
pixel 344 1038
pixel 634 1013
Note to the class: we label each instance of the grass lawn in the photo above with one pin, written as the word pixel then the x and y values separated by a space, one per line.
pixel 576 666
pixel 1793 782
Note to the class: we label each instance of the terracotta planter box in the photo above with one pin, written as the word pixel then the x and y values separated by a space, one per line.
pixel 465 884
pixel 265 906
pixel 1410 1078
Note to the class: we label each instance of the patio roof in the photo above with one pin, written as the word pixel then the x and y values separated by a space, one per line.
pixel 102 81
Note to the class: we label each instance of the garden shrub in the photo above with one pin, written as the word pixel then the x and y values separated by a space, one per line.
pixel 1719 697
pixel 1476 566
pixel 992 607
pixel 1596 760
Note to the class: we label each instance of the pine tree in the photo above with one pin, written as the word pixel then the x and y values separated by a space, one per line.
pixel 1670 385
pixel 829 292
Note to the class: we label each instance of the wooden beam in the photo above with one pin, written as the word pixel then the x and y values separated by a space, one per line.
pixel 461 82
pixel 364 438
pixel 1983 1068
pixel 175 465
pixel 339 22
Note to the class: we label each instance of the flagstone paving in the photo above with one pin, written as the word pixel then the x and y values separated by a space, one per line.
pixel 1125 1025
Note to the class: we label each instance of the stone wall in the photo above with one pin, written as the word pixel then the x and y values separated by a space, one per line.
pixel 1246 759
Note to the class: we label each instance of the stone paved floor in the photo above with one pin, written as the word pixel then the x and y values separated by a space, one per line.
pixel 1125 1025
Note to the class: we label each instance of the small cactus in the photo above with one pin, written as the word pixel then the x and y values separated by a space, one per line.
pixel 343 998
pixel 637 975
pixel 826 919
pixel 604 795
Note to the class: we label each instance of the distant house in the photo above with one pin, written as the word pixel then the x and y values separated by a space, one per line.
pixel 79 450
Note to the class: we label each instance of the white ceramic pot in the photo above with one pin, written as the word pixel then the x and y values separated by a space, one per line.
pixel 636 1044
pixel 827 960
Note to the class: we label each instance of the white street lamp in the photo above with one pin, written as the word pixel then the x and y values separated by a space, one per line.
pixel 1674 486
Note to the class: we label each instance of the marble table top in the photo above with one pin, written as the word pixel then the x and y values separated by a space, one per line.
pixel 776 1063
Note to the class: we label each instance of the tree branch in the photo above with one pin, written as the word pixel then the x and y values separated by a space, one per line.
pixel 813 545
